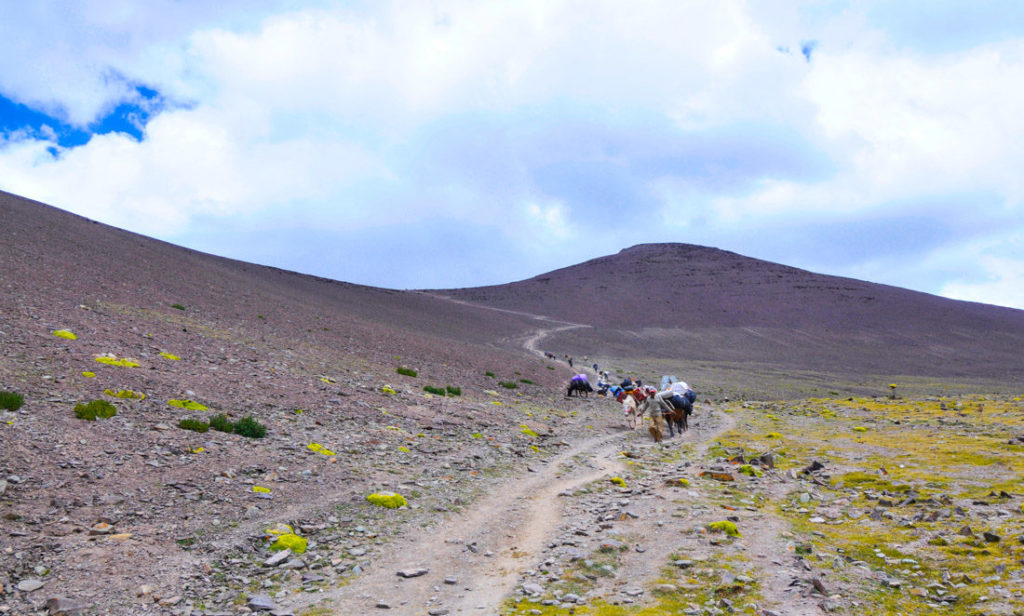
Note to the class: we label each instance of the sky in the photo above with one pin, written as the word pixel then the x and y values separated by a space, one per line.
pixel 458 143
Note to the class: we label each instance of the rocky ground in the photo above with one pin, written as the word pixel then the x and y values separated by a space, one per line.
pixel 795 492
pixel 519 501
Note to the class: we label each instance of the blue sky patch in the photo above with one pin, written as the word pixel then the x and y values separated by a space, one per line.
pixel 128 117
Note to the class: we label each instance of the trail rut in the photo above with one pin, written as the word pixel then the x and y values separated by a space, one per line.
pixel 482 550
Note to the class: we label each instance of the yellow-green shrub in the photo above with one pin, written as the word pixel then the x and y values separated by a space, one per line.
pixel 387 499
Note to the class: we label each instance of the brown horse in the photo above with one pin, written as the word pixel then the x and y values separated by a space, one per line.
pixel 674 416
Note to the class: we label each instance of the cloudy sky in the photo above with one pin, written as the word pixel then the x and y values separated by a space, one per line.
pixel 460 143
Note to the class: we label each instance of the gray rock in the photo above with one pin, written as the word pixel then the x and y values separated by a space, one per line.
pixel 62 606
pixel 30 585
pixel 294 563
pixel 533 588
pixel 411 573
pixel 278 558
pixel 261 603
pixel 438 611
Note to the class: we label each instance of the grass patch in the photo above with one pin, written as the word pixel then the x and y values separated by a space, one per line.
pixel 194 425
pixel 177 306
pixel 437 391
pixel 406 371
pixel 508 384
pixel 250 428
pixel 221 423
pixel 453 390
pixel 89 411
pixel 11 401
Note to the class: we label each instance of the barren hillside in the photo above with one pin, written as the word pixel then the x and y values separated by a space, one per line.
pixel 696 303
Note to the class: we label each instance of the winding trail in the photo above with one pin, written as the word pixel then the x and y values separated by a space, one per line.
pixel 474 559
pixel 469 563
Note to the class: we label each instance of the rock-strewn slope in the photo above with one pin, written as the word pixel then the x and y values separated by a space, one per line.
pixel 133 514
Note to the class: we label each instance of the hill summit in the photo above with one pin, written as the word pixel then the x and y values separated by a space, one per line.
pixel 695 302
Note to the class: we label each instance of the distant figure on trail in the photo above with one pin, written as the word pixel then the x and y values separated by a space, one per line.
pixel 595 369
pixel 570 362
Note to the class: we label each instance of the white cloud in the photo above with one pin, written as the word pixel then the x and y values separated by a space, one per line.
pixel 1003 284
pixel 319 113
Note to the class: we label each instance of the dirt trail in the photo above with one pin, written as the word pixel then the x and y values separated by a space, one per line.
pixel 481 551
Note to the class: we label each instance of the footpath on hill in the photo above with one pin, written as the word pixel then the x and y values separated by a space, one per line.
pixel 597 524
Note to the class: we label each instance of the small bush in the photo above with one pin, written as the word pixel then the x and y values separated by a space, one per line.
pixel 508 384
pixel 489 373
pixel 249 427
pixel 453 390
pixel 11 401
pixel 387 499
pixel 725 526
pixel 194 425
pixel 406 371
pixel 89 411
pixel 527 381
pixel 290 541
pixel 221 423
pixel 177 306
pixel 437 391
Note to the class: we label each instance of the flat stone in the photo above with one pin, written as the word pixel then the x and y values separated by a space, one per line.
pixel 30 585
pixel 63 606
pixel 533 588
pixel 261 603
pixel 411 573
pixel 294 563
pixel 101 528
pixel 278 558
